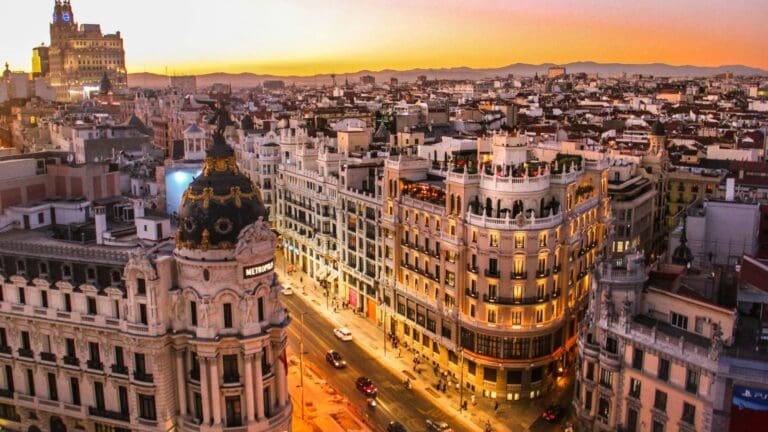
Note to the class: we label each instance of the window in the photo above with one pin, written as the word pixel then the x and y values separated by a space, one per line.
pixel 230 369
pixel 689 413
pixel 519 240
pixel 658 426
pixel 492 291
pixel 68 302
pixel 70 344
pixel 227 315
pixel 30 382
pixel 74 388
pixel 611 345
pixel 606 378
pixel 141 286
pixel 660 401
pixel 25 344
pixel 517 317
pixel 123 399
pixel 66 270
pixel 491 316
pixel 588 400
pixel 663 373
pixel 590 371
pixel 634 388
pixel 90 274
pixel 514 377
pixel 119 358
pixel 494 240
pixel 44 298
pixel 91 305
pixel 143 313
pixel 139 363
pixel 147 407
pixel 539 315
pixel 637 359
pixel 543 239
pixel 691 381
pixel 53 392
pixel 95 357
pixel 603 408
pixel 631 423
pixel 193 312
pixel 678 320
pixel 22 296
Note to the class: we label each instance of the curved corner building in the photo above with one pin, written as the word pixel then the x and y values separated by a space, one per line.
pixel 493 251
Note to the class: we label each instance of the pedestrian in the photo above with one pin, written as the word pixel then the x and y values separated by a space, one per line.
pixel 399 353
pixel 444 387
pixel 495 406
pixel 472 398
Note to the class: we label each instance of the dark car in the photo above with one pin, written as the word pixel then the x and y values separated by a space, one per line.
pixel 438 426
pixel 366 386
pixel 335 359
pixel 553 413
pixel 395 427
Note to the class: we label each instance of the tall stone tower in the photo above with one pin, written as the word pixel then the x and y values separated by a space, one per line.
pixel 229 324
pixel 656 164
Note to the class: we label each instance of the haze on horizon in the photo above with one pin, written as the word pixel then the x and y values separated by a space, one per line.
pixel 306 37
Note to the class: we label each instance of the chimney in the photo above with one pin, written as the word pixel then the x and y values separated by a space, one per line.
pixel 730 186
pixel 101 223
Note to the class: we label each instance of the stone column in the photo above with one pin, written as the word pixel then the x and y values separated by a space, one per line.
pixel 204 394
pixel 249 402
pixel 282 390
pixel 182 387
pixel 259 387
pixel 215 393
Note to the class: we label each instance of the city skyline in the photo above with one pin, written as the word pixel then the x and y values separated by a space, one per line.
pixel 349 37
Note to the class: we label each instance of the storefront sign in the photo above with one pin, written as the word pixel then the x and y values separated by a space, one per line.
pixel 750 398
pixel 258 270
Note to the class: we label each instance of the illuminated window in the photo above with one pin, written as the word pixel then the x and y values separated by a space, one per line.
pixel 494 240
pixel 519 240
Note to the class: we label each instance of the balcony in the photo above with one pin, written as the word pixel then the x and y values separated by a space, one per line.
pixel 472 269
pixel 48 357
pixel 471 293
pixel 107 414
pixel 120 369
pixel 143 377
pixel 6 393
pixel 556 269
pixel 194 374
pixel 71 361
pixel 609 359
pixel 27 353
pixel 494 273
pixel 542 273
pixel 519 275
pixel 5 349
pixel 95 365
pixel 515 300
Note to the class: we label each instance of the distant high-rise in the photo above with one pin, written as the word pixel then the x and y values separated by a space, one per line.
pixel 40 61
pixel 80 56
pixel 555 72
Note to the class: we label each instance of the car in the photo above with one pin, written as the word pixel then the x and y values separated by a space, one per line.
pixel 395 427
pixel 366 386
pixel 553 413
pixel 438 426
pixel 335 359
pixel 343 333
pixel 287 289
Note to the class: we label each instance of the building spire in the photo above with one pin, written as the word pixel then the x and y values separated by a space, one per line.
pixel 682 254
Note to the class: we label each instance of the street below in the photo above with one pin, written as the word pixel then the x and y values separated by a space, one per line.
pixel 395 403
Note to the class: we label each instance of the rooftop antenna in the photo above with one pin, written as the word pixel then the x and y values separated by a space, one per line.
pixel 333 77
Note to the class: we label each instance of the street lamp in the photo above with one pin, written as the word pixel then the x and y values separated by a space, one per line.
pixel 301 362
pixel 461 378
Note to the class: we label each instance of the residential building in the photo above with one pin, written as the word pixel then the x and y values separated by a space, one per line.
pixel 486 266
pixel 648 351
pixel 121 330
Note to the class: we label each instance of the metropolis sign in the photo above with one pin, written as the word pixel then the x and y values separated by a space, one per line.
pixel 258 269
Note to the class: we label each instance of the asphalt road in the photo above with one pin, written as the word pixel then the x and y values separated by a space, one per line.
pixel 394 401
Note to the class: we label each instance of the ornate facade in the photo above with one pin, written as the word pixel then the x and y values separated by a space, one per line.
pixel 82 56
pixel 488 256
pixel 127 338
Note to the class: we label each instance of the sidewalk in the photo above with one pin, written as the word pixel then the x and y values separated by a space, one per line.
pixel 324 409
pixel 509 417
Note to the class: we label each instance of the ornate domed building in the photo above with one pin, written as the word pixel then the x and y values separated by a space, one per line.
pixel 229 325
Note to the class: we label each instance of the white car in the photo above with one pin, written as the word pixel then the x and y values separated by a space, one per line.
pixel 287 289
pixel 343 333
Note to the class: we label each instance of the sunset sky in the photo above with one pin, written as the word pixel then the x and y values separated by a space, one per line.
pixel 305 37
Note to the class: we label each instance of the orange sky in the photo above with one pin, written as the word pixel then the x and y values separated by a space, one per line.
pixel 306 37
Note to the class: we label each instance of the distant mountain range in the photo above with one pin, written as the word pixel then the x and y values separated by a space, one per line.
pixel 606 69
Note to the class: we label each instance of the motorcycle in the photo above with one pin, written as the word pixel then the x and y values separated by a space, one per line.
pixel 371 403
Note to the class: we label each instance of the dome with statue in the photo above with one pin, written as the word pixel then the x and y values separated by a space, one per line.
pixel 220 202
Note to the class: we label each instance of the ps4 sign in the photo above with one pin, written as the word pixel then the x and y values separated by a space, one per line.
pixel 258 270
pixel 750 398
